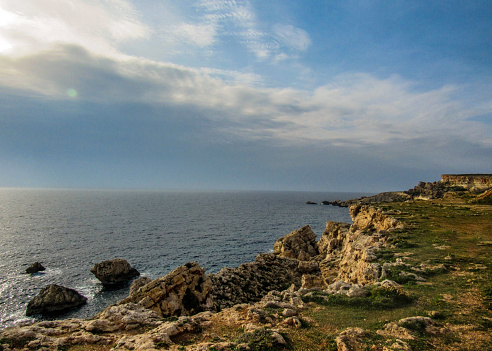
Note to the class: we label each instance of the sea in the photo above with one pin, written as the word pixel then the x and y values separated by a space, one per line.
pixel 68 231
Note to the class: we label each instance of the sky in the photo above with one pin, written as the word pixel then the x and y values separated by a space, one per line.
pixel 354 95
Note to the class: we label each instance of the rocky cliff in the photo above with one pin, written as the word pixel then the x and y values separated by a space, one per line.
pixel 468 181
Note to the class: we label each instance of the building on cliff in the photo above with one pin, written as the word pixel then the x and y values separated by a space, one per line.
pixel 468 181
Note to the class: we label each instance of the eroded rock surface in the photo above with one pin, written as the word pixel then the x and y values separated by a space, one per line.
pixel 299 244
pixel 184 291
pixel 251 281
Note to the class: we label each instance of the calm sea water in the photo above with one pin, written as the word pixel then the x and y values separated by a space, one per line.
pixel 70 230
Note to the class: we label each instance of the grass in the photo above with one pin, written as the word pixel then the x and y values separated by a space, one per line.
pixel 440 233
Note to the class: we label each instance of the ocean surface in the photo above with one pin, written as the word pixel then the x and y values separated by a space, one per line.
pixel 68 231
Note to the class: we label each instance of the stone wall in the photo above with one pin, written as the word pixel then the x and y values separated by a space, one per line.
pixel 468 181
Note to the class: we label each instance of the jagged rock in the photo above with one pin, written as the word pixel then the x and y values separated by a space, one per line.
pixel 311 281
pixel 308 267
pixel 251 281
pixel 184 291
pixel 351 339
pixel 299 244
pixel 370 218
pixel 122 317
pixel 35 267
pixel 349 253
pixel 333 236
pixel 157 337
pixel 114 272
pixel 54 298
pixel 138 283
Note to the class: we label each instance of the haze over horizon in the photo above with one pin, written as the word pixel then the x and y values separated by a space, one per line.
pixel 362 96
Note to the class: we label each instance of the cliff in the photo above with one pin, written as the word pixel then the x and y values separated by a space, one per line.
pixel 468 181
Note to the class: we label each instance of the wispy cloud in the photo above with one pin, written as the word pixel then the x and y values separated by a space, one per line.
pixel 292 37
pixel 218 21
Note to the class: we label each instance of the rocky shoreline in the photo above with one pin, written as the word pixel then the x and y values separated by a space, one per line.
pixel 263 298
pixel 340 262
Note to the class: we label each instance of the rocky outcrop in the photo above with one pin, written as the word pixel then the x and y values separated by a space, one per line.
pixel 35 267
pixel 348 252
pixel 126 317
pixel 138 283
pixel 333 237
pixel 368 218
pixel 184 291
pixel 114 272
pixel 428 190
pixel 251 281
pixel 53 299
pixel 299 244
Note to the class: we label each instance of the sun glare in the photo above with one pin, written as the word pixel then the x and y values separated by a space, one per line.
pixel 72 92
pixel 5 46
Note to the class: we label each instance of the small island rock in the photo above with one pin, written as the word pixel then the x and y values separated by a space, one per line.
pixel 35 267
pixel 114 272
pixel 54 298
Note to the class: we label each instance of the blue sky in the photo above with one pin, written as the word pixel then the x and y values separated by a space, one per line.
pixel 236 94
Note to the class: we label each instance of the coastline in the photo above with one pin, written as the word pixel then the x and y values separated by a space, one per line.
pixel 358 261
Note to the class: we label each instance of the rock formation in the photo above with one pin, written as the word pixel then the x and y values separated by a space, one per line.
pixel 138 283
pixel 184 291
pixel 53 299
pixel 114 272
pixel 348 251
pixel 251 281
pixel 35 267
pixel 299 244
pixel 472 182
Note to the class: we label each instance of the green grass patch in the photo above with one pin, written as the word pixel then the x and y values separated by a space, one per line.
pixel 377 298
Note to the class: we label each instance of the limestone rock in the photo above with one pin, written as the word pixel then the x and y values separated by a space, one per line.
pixel 299 244
pixel 350 254
pixel 122 318
pixel 370 218
pixel 333 237
pixel 54 298
pixel 351 339
pixel 114 272
pixel 138 283
pixel 311 281
pixel 184 291
pixel 35 267
pixel 251 281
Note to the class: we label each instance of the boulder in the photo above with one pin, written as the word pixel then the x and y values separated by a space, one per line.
pixel 35 267
pixel 54 298
pixel 299 244
pixel 114 272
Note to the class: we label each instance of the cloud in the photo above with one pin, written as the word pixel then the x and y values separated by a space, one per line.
pixel 354 110
pixel 198 34
pixel 292 37
pixel 33 25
